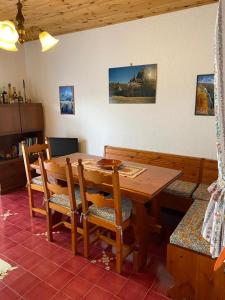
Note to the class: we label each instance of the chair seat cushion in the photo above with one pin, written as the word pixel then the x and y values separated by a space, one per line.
pixel 37 180
pixel 63 200
pixel 188 232
pixel 181 188
pixel 201 192
pixel 109 213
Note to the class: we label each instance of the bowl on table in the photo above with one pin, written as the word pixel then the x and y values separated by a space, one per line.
pixel 109 164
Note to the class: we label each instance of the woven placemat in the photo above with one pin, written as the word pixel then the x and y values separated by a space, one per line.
pixel 125 170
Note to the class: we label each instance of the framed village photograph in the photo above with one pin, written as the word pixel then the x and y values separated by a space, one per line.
pixel 66 97
pixel 133 84
pixel 204 103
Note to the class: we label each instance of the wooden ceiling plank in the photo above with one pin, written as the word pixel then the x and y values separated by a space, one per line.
pixel 65 16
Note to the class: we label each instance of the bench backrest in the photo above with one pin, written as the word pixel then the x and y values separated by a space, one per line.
pixel 209 171
pixel 189 165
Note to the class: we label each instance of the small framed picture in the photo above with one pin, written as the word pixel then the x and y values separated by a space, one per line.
pixel 204 103
pixel 66 97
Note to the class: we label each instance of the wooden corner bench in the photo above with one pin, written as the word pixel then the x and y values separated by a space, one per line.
pixel 189 260
pixel 179 195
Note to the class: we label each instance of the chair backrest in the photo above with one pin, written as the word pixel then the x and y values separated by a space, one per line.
pixel 50 169
pixel 34 149
pixel 100 181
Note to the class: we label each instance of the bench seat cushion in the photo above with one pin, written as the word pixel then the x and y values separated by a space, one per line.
pixel 181 188
pixel 201 192
pixel 188 232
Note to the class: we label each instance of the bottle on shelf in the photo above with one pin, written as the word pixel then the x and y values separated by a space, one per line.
pixel 15 97
pixel 10 93
pixel 20 97
pixel 4 96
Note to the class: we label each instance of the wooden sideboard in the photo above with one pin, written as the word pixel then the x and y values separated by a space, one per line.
pixel 17 122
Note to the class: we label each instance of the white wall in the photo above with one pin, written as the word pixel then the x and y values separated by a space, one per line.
pixel 181 43
pixel 12 68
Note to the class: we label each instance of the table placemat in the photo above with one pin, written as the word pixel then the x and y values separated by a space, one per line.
pixel 125 170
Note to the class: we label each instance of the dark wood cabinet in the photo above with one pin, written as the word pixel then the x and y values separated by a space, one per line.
pixel 17 122
pixel 9 119
pixel 31 117
pixel 12 174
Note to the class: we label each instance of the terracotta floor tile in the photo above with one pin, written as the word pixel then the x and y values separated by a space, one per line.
pixel 41 291
pixel 97 293
pixel 112 282
pixel 2 285
pixel 46 250
pixel 30 260
pixel 24 283
pixel 33 242
pixel 9 230
pixel 92 273
pixel 61 256
pixel 7 294
pixel 77 288
pixel 59 278
pixel 43 269
pixel 16 252
pixel 6 243
pixel 75 264
pixel 154 296
pixel 132 291
pixel 21 236
pixel 61 296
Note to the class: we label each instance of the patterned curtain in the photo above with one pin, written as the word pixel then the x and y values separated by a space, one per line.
pixel 213 229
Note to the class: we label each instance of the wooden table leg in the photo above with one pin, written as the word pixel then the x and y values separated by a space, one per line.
pixel 141 235
pixel 144 225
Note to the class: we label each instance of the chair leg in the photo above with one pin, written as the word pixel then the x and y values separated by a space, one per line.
pixel 74 232
pixel 49 223
pixel 31 202
pixel 119 251
pixel 86 237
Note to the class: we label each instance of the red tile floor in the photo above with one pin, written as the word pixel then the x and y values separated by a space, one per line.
pixel 49 270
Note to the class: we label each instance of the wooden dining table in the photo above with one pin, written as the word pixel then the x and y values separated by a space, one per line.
pixel 143 190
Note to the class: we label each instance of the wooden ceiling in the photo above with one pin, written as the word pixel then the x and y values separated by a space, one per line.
pixel 64 16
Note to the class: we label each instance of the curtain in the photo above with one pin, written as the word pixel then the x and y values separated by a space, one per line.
pixel 213 229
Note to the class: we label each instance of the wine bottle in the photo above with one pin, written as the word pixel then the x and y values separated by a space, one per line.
pixel 15 97
pixel 10 94
pixel 4 96
pixel 20 98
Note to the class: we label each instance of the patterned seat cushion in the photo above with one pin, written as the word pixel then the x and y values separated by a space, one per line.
pixel 188 232
pixel 37 180
pixel 201 192
pixel 109 213
pixel 181 188
pixel 63 200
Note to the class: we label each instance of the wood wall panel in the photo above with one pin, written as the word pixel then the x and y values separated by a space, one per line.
pixel 64 16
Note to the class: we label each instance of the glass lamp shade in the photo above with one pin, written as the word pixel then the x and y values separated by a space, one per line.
pixel 8 33
pixel 8 46
pixel 47 41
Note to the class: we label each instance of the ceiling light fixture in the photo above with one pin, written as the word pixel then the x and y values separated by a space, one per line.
pixel 10 35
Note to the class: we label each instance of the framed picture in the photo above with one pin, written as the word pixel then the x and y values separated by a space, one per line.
pixel 66 97
pixel 204 103
pixel 133 84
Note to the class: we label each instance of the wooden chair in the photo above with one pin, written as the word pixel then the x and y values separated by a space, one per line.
pixel 109 212
pixel 65 200
pixel 34 183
